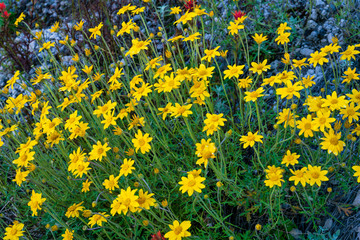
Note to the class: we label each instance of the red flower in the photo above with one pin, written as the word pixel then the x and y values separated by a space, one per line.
pixel 157 236
pixel 2 6
pixel 190 5
pixel 5 14
pixel 238 14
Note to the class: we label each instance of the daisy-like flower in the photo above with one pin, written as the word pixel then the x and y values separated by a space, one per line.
pixel 98 218
pixel 212 122
pixel 290 158
pixel 203 72
pixel 175 10
pixel 259 68
pixel 307 82
pixel 68 235
pixel 334 102
pixel 165 110
pixel 127 167
pixel 192 37
pixel 290 90
pixel 300 63
pixel 250 139
pixel 19 19
pixel 209 54
pixel 98 151
pixel 286 117
pixel 332 142
pixel 179 110
pixel 259 38
pixel 86 186
pixel 178 230
pixel 47 45
pixel 137 46
pixel 299 176
pixel 95 31
pixel 357 172
pixel 273 179
pixel 14 232
pixel 190 184
pixel 283 27
pixel 145 200
pixel 316 175
pixel 350 112
pixel 323 120
pixel 111 183
pixel 162 71
pixel 205 150
pixel 73 210
pixel 234 28
pixel 354 96
pixel 349 53
pixel 35 202
pixel 20 176
pixel 244 82
pixel 283 38
pixel 233 71
pixel 350 74
pixel 254 95
pixel 79 26
pixel 142 142
pixel 306 126
pixel 318 58
pixel 126 201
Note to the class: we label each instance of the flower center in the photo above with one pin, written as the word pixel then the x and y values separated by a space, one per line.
pixel 191 183
pixel 141 142
pixel 178 230
pixel 315 175
pixel 334 141
pixel 307 126
pixel 127 202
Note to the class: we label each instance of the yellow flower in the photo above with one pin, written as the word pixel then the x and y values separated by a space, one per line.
pixel 126 201
pixel 86 186
pixel 290 158
pixel 259 67
pixel 233 71
pixel 79 26
pixel 111 183
pixel 332 142
pixel 349 53
pixel 351 112
pixel 175 10
pixel 73 210
pixel 192 37
pixel 55 27
pixel 14 232
pixel 318 58
pixel 273 179
pixel 19 19
pixel 316 175
pixel 98 218
pixel 98 151
pixel 137 46
pixel 126 8
pixel 127 167
pixel 350 75
pixel 205 150
pixel 95 31
pixel 178 231
pixel 323 120
pixel 145 200
pixel 209 54
pixel 20 176
pixel 299 176
pixel 357 172
pixel 142 142
pixel 259 38
pixel 46 45
pixel 290 90
pixel 179 110
pixel 306 126
pixel 283 27
pixel 250 139
pixel 282 38
pixel 35 202
pixel 254 95
pixel 235 27
pixel 334 102
pixel 203 72
pixel 68 235
pixel 190 184
pixel 300 63
pixel 188 16
pixel 87 69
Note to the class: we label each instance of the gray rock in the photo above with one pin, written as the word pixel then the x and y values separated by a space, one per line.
pixel 306 52
pixel 311 25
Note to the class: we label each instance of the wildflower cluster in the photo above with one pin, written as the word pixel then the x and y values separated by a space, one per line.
pixel 138 142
